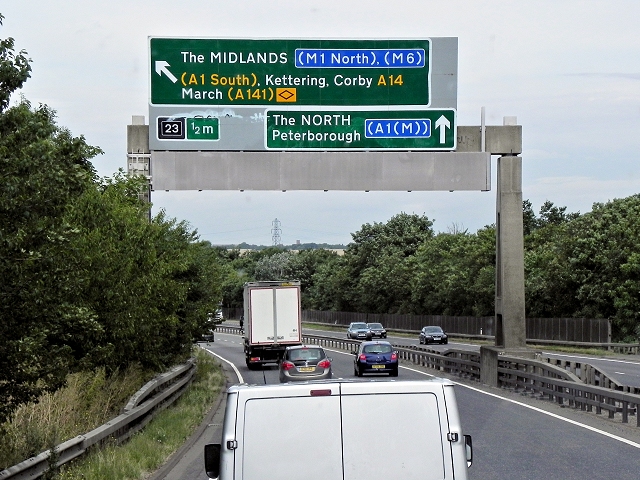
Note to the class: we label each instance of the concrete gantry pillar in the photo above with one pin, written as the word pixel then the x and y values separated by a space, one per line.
pixel 510 306
pixel 506 141
pixel 139 155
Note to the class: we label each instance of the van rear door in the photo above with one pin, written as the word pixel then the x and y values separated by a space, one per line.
pixel 395 435
pixel 291 437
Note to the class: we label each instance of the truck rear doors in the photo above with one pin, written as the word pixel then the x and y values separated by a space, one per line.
pixel 275 315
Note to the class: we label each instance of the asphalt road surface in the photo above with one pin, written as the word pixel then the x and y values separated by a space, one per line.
pixel 514 436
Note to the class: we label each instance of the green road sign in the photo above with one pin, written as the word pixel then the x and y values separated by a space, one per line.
pixel 192 128
pixel 288 73
pixel 361 130
pixel 203 129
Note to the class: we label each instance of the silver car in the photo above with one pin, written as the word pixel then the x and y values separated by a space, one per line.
pixel 304 362
pixel 359 331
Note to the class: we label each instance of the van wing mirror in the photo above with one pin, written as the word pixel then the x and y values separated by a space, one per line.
pixel 212 460
pixel 469 449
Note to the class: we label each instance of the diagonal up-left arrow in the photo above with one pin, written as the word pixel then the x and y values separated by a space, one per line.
pixel 161 67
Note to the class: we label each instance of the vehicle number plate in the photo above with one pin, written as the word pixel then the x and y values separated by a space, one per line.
pixel 377 366
pixel 306 369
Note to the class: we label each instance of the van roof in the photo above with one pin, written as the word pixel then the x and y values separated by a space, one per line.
pixel 343 386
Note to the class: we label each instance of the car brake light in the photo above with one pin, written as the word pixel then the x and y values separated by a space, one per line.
pixel 324 363
pixel 287 365
pixel 394 356
pixel 363 357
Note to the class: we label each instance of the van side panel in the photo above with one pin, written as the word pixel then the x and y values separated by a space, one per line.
pixel 292 438
pixel 395 435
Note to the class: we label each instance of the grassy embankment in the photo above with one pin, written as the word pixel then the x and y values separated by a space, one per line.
pixel 89 401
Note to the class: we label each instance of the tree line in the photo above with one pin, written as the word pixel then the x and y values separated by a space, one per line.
pixel 575 266
pixel 87 281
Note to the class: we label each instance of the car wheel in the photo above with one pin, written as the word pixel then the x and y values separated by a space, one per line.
pixel 358 372
pixel 421 341
pixel 394 373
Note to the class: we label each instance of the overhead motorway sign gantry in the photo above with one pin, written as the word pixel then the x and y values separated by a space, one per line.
pixel 237 81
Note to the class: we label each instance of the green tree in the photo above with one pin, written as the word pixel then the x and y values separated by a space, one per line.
pixel 150 285
pixel 274 267
pixel 43 169
pixel 375 280
pixel 603 246
pixel 304 266
pixel 454 274
pixel 15 69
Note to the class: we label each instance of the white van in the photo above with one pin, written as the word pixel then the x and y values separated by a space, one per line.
pixel 341 430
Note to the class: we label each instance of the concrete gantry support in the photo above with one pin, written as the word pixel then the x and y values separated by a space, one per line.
pixel 139 155
pixel 510 322
pixel 510 311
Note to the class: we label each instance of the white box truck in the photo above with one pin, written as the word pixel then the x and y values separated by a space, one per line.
pixel 272 320
pixel 341 430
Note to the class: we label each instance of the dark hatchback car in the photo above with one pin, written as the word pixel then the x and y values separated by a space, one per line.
pixel 433 334
pixel 359 331
pixel 304 362
pixel 376 357
pixel 377 330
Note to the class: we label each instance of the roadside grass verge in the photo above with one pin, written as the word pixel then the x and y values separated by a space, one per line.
pixel 147 450
pixel 89 400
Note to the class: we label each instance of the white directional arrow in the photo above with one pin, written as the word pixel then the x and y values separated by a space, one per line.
pixel 442 123
pixel 161 67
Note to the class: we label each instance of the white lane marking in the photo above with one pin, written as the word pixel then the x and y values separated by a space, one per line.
pixel 592 358
pixel 235 369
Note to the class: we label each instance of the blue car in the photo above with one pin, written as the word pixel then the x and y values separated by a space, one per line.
pixel 375 357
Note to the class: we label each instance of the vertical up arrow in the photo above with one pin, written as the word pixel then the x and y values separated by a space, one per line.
pixel 442 123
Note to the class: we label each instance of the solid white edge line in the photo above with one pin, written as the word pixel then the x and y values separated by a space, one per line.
pixel 536 409
pixel 235 369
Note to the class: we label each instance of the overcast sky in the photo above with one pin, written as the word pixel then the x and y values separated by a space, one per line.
pixel 568 70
